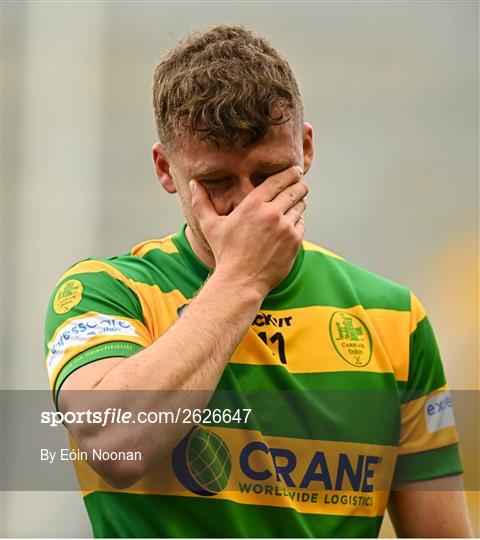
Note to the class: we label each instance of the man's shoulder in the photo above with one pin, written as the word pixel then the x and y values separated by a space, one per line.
pixel 349 279
pixel 160 245
pixel 139 264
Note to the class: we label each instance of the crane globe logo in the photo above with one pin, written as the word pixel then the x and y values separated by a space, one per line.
pixel 202 462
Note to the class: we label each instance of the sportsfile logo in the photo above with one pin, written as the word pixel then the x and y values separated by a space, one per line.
pixel 205 465
pixel 439 412
pixel 79 331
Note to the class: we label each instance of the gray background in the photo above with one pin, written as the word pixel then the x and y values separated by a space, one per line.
pixel 391 89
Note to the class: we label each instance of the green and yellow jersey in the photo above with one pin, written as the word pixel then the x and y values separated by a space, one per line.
pixel 341 372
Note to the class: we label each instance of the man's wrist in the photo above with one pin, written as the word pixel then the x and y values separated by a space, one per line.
pixel 239 286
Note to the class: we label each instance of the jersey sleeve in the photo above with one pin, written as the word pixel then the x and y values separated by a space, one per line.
pixel 429 439
pixel 94 313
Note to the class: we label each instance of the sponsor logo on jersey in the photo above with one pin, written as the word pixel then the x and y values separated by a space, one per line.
pixel 202 462
pixel 439 412
pixel 204 465
pixel 267 319
pixel 351 338
pixel 68 296
pixel 79 331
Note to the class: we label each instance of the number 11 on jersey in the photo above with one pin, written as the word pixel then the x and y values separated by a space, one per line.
pixel 275 338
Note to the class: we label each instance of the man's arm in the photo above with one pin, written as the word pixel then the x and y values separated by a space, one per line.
pixel 430 509
pixel 189 359
pixel 254 249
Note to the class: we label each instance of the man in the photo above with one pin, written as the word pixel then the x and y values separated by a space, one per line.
pixel 325 379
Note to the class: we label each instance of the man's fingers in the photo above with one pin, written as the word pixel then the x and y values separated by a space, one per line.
pixel 296 212
pixel 290 196
pixel 201 203
pixel 276 183
pixel 300 228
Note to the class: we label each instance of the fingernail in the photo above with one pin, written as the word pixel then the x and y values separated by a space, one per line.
pixel 193 186
pixel 300 170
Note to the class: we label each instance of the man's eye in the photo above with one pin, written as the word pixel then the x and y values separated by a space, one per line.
pixel 260 178
pixel 222 182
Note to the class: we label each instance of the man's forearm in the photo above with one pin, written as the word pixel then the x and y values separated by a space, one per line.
pixel 194 351
pixel 190 357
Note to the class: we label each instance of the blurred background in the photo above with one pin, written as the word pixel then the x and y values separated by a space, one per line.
pixel 391 89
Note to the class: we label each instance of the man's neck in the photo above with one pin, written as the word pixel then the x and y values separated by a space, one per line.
pixel 202 251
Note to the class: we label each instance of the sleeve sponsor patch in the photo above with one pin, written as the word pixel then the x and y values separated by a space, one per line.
pixel 78 331
pixel 439 412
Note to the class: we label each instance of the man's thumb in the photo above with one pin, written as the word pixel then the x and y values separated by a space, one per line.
pixel 201 203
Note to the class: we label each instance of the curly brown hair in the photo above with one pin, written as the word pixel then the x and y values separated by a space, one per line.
pixel 225 84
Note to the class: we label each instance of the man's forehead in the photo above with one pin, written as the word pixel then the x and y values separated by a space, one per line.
pixel 278 149
pixel 207 168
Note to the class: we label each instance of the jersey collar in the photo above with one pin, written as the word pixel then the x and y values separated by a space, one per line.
pixel 203 271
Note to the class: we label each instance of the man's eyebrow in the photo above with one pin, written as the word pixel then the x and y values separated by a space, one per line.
pixel 269 165
pixel 210 172
pixel 276 164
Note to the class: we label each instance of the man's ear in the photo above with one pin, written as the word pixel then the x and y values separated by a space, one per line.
pixel 162 168
pixel 307 140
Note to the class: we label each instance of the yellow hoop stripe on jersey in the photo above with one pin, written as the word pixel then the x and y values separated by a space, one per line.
pixel 302 488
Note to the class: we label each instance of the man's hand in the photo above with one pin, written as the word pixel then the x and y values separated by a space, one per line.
pixel 261 237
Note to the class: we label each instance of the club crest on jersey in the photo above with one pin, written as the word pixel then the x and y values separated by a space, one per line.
pixel 351 338
pixel 68 296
